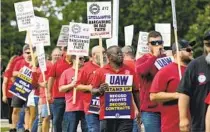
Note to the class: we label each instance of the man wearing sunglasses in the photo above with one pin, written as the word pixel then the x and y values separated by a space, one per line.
pixel 164 86
pixel 146 70
pixel 193 90
pixel 74 112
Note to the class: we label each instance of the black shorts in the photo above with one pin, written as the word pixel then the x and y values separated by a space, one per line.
pixel 17 102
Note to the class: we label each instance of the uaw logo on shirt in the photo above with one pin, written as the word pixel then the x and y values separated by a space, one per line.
pixel 201 78
pixel 76 28
pixel 94 9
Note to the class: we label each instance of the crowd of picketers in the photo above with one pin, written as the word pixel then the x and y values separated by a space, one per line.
pixel 175 98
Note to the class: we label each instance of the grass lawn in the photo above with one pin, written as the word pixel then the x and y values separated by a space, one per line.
pixel 4 129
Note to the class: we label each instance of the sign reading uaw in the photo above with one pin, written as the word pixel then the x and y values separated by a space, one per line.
pixel 118 97
pixel 99 14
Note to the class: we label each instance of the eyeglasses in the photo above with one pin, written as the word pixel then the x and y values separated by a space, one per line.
pixel 81 58
pixel 28 52
pixel 158 42
pixel 207 44
pixel 188 50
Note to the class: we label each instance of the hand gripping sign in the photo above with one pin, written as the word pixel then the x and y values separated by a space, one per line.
pixel 99 15
pixel 78 44
pixel 22 85
pixel 118 97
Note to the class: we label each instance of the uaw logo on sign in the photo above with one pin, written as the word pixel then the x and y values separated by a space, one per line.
pixel 65 29
pixel 37 25
pixel 76 28
pixel 94 9
pixel 20 8
pixel 144 38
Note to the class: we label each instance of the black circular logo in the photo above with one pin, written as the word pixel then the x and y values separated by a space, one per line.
pixel 65 29
pixel 94 9
pixel 76 28
pixel 20 8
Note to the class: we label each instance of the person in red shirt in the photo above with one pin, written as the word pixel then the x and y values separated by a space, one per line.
pixel 115 66
pixel 84 80
pixel 146 70
pixel 129 60
pixel 165 84
pixel 207 101
pixel 7 83
pixel 74 112
pixel 18 103
pixel 58 97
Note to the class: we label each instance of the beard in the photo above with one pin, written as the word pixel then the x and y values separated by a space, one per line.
pixel 186 59
pixel 208 58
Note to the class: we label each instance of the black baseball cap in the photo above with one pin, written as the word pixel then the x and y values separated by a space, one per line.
pixel 206 36
pixel 181 44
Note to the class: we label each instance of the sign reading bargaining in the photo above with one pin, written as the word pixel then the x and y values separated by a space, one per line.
pixel 22 85
pixel 99 14
pixel 118 97
pixel 79 39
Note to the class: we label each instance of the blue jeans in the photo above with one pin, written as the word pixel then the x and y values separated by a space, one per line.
pixel 20 124
pixel 93 122
pixel 72 121
pixel 35 123
pixel 59 105
pixel 151 121
pixel 135 127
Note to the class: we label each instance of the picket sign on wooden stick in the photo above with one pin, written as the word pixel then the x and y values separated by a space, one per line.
pixel 31 49
pixel 175 35
pixel 101 52
pixel 46 95
pixel 75 79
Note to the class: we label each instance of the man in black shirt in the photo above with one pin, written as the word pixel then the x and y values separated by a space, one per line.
pixel 194 88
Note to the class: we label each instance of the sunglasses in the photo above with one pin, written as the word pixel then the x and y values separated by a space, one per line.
pixel 28 52
pixel 188 50
pixel 207 44
pixel 158 42
pixel 81 58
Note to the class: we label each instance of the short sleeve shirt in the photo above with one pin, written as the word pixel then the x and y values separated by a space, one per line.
pixel 195 83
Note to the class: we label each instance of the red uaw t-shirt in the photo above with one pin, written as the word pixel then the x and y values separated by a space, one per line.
pixel 100 76
pixel 56 71
pixel 207 100
pixel 167 80
pixel 8 74
pixel 85 77
pixel 66 78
